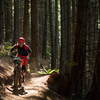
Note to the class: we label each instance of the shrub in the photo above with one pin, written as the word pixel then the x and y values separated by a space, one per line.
pixel 4 48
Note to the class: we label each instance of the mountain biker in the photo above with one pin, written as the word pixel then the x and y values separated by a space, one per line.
pixel 23 51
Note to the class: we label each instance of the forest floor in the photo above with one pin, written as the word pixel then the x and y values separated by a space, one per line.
pixel 35 85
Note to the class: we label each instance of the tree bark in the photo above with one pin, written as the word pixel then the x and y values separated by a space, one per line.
pixel 80 47
pixel 8 20
pixel 34 33
pixel 94 53
pixel 45 34
pixel 52 35
pixel 65 70
pixel 16 21
pixel 94 92
pixel 65 37
pixel 1 21
pixel 41 27
pixel 56 34
pixel 26 19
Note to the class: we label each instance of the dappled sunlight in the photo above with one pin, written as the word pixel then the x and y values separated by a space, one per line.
pixel 5 68
pixel 36 89
pixel 35 85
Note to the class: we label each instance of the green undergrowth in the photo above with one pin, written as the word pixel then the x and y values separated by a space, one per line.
pixel 47 71
pixel 4 48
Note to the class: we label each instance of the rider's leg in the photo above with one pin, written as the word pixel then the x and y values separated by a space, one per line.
pixel 20 81
pixel 24 65
pixel 24 70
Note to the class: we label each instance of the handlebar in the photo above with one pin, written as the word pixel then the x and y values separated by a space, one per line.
pixel 19 57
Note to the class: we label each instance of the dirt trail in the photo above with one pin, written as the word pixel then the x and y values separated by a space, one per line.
pixel 35 87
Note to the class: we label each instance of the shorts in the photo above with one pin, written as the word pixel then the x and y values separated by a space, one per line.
pixel 24 62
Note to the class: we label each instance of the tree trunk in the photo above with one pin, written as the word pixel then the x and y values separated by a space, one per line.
pixel 1 21
pixel 62 37
pixel 92 40
pixel 65 35
pixel 94 52
pixel 73 23
pixel 8 20
pixel 26 19
pixel 16 21
pixel 44 48
pixel 41 27
pixel 52 35
pixel 80 47
pixel 94 92
pixel 34 31
pixel 56 33
pixel 21 17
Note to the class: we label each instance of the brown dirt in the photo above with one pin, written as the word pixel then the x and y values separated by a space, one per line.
pixel 35 86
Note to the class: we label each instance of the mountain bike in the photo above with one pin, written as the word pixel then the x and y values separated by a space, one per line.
pixel 18 76
pixel 17 72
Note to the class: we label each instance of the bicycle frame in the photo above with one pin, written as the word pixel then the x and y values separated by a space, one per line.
pixel 17 72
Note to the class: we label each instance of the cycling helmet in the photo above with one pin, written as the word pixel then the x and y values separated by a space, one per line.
pixel 21 39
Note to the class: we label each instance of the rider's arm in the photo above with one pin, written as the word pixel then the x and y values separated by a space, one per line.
pixel 14 47
pixel 29 51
